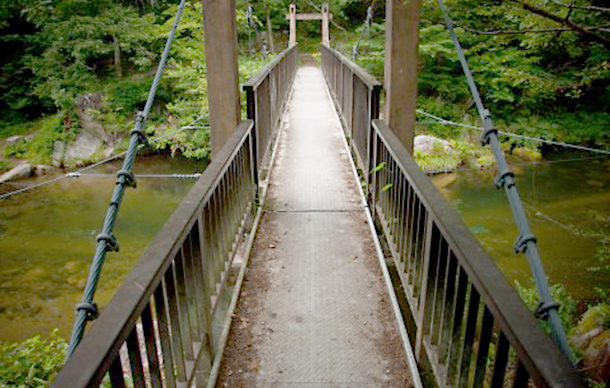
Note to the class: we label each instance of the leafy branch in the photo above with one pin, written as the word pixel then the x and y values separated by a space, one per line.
pixel 563 21
pixel 530 31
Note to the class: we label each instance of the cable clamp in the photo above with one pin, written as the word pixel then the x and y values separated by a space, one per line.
pixel 489 128
pixel 140 132
pixel 90 309
pixel 542 311
pixel 521 242
pixel 138 127
pixel 500 179
pixel 111 243
pixel 128 178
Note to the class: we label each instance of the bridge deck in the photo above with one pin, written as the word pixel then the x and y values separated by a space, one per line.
pixel 313 310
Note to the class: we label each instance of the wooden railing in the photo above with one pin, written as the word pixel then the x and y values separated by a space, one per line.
pixel 266 94
pixel 157 331
pixel 471 326
pixel 356 95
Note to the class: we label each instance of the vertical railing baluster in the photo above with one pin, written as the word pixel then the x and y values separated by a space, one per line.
pixel 448 309
pixel 420 246
pixel 500 362
pixel 417 257
pixel 203 309
pixel 407 234
pixel 117 380
pixel 190 289
pixel 183 308
pixel 210 247
pixel 151 347
pixel 135 359
pixel 206 276
pixel 215 231
pixel 455 346
pixel 164 337
pixel 484 341
pixel 403 219
pixel 471 324
pixel 178 337
pixel 413 224
pixel 521 376
pixel 429 266
pixel 439 291
pixel 372 188
pixel 188 307
pixel 392 192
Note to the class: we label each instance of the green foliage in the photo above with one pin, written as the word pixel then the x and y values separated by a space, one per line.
pixel 80 43
pixel 129 94
pixel 602 255
pixel 40 148
pixel 32 363
pixel 567 308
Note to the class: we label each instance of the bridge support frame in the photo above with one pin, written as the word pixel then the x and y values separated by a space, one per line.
pixel 220 30
pixel 402 35
pixel 325 16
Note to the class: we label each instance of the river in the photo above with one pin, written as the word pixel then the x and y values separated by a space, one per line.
pixel 47 235
pixel 567 200
pixel 47 239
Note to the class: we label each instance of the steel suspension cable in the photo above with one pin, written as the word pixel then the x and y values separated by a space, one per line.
pixel 87 310
pixel 366 28
pixel 526 241
pixel 524 137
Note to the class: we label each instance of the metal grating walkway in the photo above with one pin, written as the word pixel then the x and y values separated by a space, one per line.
pixel 313 310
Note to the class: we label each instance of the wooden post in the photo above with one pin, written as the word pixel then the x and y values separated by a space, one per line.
pixel 220 29
pixel 325 29
pixel 293 24
pixel 402 33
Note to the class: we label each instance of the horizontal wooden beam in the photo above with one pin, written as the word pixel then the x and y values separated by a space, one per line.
pixel 309 16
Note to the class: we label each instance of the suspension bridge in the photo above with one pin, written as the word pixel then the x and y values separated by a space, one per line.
pixel 313 252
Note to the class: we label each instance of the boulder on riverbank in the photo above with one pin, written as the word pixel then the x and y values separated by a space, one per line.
pixel 26 170
pixel 23 170
pixel 592 337
pixel 435 155
pixel 429 144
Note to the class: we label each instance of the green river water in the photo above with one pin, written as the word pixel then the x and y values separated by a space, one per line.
pixel 568 205
pixel 47 238
pixel 47 235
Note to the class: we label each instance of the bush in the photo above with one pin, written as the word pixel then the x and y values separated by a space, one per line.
pixel 32 363
pixel 40 148
pixel 567 305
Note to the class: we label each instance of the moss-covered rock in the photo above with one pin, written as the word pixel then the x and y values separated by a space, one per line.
pixel 528 154
pixel 593 322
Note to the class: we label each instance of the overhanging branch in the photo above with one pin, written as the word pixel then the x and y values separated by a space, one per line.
pixel 575 27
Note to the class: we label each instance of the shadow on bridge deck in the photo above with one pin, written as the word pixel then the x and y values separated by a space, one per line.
pixel 314 310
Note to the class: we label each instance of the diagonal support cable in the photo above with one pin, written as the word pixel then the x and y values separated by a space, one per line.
pixel 526 241
pixel 87 309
